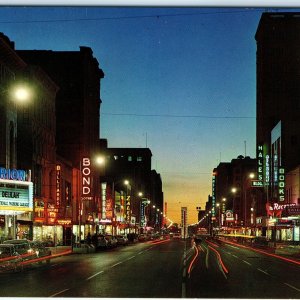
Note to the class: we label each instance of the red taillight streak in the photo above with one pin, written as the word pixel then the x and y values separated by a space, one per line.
pixel 193 260
pixel 211 243
pixel 27 262
pixel 159 242
pixel 8 258
pixel 219 258
pixel 264 252
pixel 30 261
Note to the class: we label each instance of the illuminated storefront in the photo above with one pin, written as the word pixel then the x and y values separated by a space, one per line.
pixel 16 204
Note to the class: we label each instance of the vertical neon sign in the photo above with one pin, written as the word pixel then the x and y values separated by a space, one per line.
pixel 58 187
pixel 281 184
pixel 86 176
pixel 213 209
pixel 260 163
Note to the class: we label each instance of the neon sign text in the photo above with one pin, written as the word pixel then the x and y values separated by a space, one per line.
pixel 12 174
pixel 86 176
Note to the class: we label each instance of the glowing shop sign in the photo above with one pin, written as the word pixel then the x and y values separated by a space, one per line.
pixel 142 210
pixel 281 184
pixel 12 174
pixel 103 199
pixel 57 185
pixel 213 212
pixel 16 195
pixel 267 167
pixel 86 176
pixel 260 163
pixel 128 209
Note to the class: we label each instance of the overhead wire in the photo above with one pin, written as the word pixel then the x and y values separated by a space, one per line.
pixel 157 16
pixel 177 116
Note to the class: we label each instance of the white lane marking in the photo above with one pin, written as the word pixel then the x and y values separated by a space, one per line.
pixel 183 290
pixel 183 285
pixel 54 265
pixel 233 247
pixel 263 271
pixel 234 255
pixel 120 262
pixel 59 293
pixel 291 286
pixel 246 262
pixel 130 257
pixel 94 275
pixel 206 258
pixel 140 252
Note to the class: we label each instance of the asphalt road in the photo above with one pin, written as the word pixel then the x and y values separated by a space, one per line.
pixel 231 271
pixel 142 270
pixel 163 269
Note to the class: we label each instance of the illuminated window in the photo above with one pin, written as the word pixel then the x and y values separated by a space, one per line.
pixel 139 158
pixel 129 158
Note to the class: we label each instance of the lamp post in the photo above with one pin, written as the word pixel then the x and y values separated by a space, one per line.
pixel 233 190
pixel 245 186
pixel 17 94
pixel 85 185
pixel 223 208
pixel 219 214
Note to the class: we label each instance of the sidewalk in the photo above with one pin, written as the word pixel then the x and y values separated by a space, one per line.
pixel 60 250
pixel 280 249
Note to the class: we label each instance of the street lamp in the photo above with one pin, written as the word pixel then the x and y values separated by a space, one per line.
pixel 245 186
pixel 86 185
pixel 219 213
pixel 14 95
pixel 233 190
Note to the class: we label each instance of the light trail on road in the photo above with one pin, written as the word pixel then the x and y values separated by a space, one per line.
pixel 264 252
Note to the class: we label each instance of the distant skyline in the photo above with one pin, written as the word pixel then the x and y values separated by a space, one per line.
pixel 181 81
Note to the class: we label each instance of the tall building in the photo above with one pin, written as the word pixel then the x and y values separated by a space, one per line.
pixel 278 84
pixel 134 166
pixel 77 109
pixel 235 198
pixel 278 119
pixel 28 136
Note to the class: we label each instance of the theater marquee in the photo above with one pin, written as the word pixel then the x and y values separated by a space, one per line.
pixel 15 196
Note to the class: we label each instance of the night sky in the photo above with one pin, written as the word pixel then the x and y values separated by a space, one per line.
pixel 181 81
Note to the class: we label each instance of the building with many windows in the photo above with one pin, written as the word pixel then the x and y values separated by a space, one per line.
pixel 278 119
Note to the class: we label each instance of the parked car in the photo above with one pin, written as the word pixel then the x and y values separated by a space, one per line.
pixel 40 248
pixel 176 235
pixel 10 259
pixel 102 242
pixel 122 240
pixel 23 247
pixel 142 238
pixel 112 241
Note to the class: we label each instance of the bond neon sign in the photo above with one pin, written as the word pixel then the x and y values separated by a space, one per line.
pixel 86 176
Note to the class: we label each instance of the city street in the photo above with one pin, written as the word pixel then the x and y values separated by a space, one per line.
pixel 160 269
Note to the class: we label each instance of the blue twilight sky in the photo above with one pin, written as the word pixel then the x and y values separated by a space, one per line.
pixel 181 81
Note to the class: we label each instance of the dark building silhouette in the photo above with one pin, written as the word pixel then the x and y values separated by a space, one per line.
pixel 278 83
pixel 236 174
pixel 78 76
pixel 77 111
